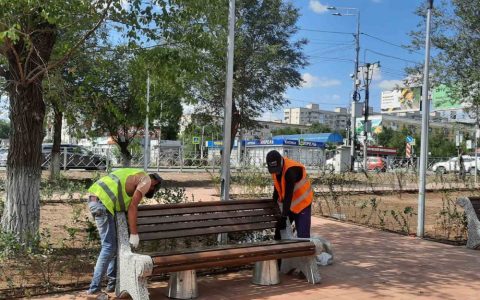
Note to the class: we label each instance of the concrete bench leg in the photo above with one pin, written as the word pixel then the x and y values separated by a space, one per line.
pixel 473 227
pixel 307 265
pixel 183 285
pixel 266 273
pixel 132 269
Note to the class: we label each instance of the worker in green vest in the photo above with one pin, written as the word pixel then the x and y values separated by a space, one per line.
pixel 121 190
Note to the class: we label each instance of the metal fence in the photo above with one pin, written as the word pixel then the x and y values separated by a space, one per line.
pixel 176 158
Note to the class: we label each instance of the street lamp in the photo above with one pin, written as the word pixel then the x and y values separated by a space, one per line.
pixel 351 11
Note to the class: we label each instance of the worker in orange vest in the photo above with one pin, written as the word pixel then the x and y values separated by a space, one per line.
pixel 293 192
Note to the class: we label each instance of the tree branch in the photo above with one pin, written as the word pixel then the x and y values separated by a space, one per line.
pixel 32 76
pixel 17 59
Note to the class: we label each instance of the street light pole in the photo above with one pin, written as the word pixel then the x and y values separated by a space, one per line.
pixel 355 98
pixel 425 120
pixel 227 119
pixel 355 95
pixel 146 147
pixel 365 124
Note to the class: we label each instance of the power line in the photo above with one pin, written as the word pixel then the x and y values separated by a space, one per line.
pixel 390 43
pixel 325 31
pixel 391 56
pixel 331 58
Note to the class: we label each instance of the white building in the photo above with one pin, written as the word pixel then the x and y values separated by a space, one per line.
pixel 336 119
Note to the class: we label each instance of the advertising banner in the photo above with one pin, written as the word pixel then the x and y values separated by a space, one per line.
pixel 404 100
pixel 443 100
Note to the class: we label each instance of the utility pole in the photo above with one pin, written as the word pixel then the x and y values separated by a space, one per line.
pixel 425 120
pixel 368 75
pixel 146 147
pixel 355 94
pixel 227 119
pixel 365 124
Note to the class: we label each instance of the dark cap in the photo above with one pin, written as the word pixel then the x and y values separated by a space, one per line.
pixel 159 180
pixel 274 162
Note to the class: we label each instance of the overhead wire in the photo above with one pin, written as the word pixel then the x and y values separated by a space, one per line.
pixel 390 43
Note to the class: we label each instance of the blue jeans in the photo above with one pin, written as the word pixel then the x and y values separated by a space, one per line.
pixel 303 222
pixel 106 262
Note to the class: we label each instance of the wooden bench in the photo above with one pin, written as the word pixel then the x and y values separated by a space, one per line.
pixel 162 222
pixel 471 205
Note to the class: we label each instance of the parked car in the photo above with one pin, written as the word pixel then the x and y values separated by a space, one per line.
pixel 78 157
pixel 453 165
pixel 377 164
pixel 3 157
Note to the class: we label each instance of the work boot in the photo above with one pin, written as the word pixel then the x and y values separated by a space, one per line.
pixel 96 295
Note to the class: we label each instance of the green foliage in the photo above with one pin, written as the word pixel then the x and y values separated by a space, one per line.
pixel 4 129
pixel 456 49
pixel 319 128
pixel 286 131
pixel 267 57
pixel 172 195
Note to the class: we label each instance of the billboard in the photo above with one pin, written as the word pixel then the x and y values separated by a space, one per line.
pixel 376 125
pixel 443 100
pixel 402 100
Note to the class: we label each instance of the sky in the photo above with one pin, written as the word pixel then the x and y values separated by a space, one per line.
pixel 331 55
pixel 384 27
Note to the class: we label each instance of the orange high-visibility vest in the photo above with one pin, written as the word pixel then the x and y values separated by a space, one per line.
pixel 302 192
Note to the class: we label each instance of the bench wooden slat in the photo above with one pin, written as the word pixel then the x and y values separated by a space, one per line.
pixel 219 248
pixel 204 224
pixel 204 209
pixel 204 216
pixel 203 231
pixel 202 204
pixel 228 262
pixel 222 254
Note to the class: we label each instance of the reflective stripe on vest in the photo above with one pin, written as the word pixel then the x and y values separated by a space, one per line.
pixel 302 191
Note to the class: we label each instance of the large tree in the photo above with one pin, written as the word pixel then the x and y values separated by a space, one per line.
pixel 112 88
pixel 455 49
pixel 29 31
pixel 267 56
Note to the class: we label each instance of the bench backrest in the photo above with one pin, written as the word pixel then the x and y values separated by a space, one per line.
pixel 164 221
pixel 476 205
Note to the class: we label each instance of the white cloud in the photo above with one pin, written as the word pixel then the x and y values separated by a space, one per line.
pixel 317 7
pixel 376 1
pixel 311 81
pixel 336 97
pixel 389 84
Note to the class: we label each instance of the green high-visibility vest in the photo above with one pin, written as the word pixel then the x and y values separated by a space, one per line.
pixel 111 191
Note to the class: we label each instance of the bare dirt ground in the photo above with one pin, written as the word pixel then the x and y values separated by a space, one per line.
pixel 61 218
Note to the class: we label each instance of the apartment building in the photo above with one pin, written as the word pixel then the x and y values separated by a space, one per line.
pixel 336 119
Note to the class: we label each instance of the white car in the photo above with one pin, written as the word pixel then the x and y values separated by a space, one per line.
pixel 453 165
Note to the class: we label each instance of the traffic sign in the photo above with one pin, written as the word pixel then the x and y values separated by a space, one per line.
pixel 300 142
pixel 409 139
pixel 196 140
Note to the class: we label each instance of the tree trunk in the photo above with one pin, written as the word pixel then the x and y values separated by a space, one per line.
pixel 235 124
pixel 125 153
pixel 57 140
pixel 27 111
pixel 22 208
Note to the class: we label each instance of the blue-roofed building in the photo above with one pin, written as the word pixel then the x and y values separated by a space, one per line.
pixel 323 138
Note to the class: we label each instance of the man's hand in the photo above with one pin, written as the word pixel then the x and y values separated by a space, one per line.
pixel 134 240
pixel 282 223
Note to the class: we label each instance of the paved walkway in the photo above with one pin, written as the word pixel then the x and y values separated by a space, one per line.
pixel 369 264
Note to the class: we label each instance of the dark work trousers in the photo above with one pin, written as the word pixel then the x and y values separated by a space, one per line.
pixel 303 222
